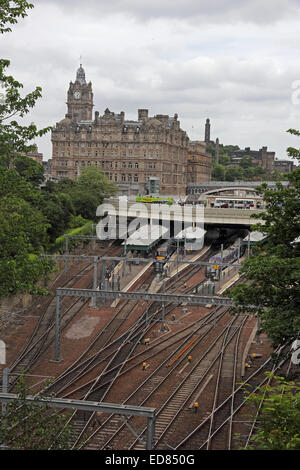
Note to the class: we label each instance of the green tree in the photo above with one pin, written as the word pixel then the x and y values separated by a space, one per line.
pixel 23 233
pixel 218 172
pixel 246 161
pixel 10 11
pixel 273 270
pixel 86 203
pixel 23 228
pixel 249 173
pixel 291 151
pixel 58 208
pixel 88 191
pixel 224 159
pixel 93 180
pixel 278 423
pixel 259 171
pixel 230 149
pixel 233 173
pixel 28 425
pixel 30 170
pixel 14 138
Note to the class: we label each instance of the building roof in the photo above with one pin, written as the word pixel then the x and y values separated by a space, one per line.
pixel 255 237
pixel 191 233
pixel 80 75
pixel 146 236
pixel 66 121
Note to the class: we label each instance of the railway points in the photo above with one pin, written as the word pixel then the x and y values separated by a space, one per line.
pixel 85 405
pixel 111 365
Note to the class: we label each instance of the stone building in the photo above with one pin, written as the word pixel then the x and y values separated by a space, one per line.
pixel 261 157
pixel 35 155
pixel 133 154
pixel 199 163
pixel 284 166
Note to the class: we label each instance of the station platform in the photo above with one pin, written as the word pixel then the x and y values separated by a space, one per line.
pixel 158 282
pixel 132 275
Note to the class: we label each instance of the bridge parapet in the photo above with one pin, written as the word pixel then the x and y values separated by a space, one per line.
pixel 190 214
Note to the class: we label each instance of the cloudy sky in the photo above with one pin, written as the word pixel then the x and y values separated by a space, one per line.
pixel 236 62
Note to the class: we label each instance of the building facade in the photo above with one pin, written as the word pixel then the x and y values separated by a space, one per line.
pixel 199 163
pixel 284 166
pixel 261 157
pixel 35 155
pixel 131 153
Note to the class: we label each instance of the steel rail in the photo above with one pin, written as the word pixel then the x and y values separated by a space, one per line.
pixel 149 348
pixel 237 390
pixel 150 377
pixel 136 260
pixel 181 300
pixel 258 411
pixel 70 370
pixel 195 386
pixel 35 345
pixel 81 364
pixel 217 388
pixel 128 350
pixel 203 322
pixel 32 342
pixel 88 362
pixel 235 364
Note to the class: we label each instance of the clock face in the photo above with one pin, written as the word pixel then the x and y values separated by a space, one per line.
pixel 77 95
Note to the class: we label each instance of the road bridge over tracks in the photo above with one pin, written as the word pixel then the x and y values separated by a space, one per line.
pixel 126 210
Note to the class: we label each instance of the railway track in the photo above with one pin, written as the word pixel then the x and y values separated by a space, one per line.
pixel 46 309
pixel 227 412
pixel 116 421
pixel 115 353
pixel 161 379
pixel 93 356
pixel 103 346
pixel 115 363
pixel 183 396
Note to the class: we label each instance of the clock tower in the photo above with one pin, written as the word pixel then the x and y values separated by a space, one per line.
pixel 80 98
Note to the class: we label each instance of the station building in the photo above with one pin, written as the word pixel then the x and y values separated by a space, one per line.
pixel 152 154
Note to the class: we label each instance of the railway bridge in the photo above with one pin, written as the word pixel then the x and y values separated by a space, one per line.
pixel 122 211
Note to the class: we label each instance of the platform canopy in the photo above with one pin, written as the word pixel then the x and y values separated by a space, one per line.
pixel 145 237
pixel 255 237
pixel 191 233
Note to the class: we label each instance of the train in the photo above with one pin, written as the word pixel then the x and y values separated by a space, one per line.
pixel 155 200
pixel 164 251
pixel 229 256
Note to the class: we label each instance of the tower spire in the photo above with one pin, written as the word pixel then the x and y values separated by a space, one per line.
pixel 80 75
pixel 207 131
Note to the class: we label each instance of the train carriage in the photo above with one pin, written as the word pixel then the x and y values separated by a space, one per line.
pixel 225 258
pixel 164 251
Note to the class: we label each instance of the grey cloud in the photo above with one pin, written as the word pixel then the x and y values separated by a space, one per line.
pixel 219 11
pixel 238 79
